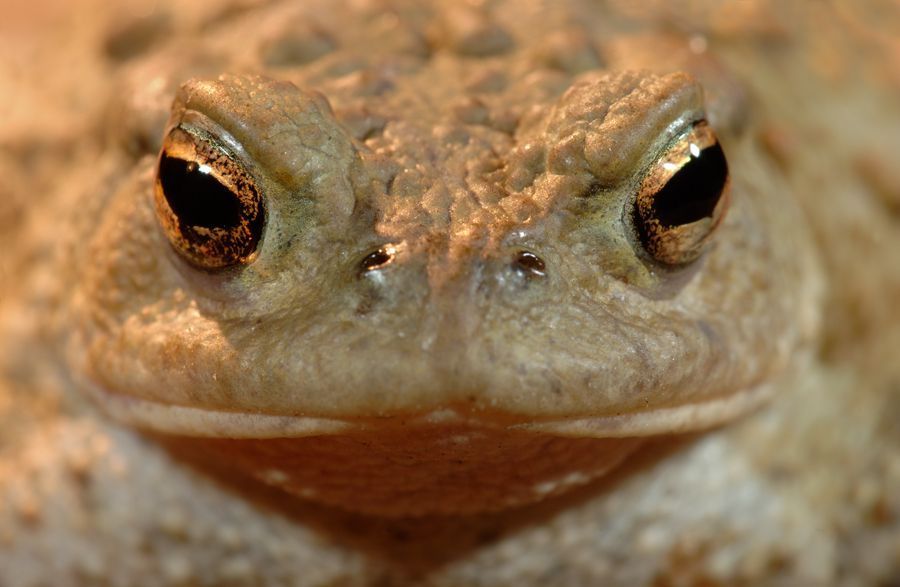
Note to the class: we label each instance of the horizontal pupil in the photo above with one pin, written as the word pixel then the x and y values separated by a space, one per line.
pixel 197 198
pixel 693 192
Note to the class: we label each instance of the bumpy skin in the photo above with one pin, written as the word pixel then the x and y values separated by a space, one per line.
pixel 352 152
pixel 451 377
pixel 451 322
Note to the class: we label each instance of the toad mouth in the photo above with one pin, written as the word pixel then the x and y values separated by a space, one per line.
pixel 195 421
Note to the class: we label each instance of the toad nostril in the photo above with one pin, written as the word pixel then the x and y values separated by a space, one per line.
pixel 378 259
pixel 529 265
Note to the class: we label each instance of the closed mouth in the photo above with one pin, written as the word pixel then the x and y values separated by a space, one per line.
pixel 183 420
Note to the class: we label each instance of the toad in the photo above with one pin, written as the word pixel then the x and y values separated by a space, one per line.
pixel 449 282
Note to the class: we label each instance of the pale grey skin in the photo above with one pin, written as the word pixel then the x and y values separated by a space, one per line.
pixel 451 323
pixel 407 152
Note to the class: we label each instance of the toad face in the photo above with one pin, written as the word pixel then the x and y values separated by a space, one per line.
pixel 404 293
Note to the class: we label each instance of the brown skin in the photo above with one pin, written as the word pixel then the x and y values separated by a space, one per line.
pixel 439 311
pixel 297 339
pixel 453 145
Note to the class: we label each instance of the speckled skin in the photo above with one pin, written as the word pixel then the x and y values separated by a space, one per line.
pixel 457 177
pixel 462 140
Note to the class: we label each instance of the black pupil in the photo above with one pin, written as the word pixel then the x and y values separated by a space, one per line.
pixel 694 191
pixel 197 198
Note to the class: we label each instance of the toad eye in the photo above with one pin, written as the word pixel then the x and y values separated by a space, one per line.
pixel 207 202
pixel 683 198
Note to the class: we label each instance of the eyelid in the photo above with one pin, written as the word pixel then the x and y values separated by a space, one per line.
pixel 192 144
pixel 683 149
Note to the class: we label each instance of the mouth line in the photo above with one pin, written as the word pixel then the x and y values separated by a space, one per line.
pixel 179 420
pixel 679 419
